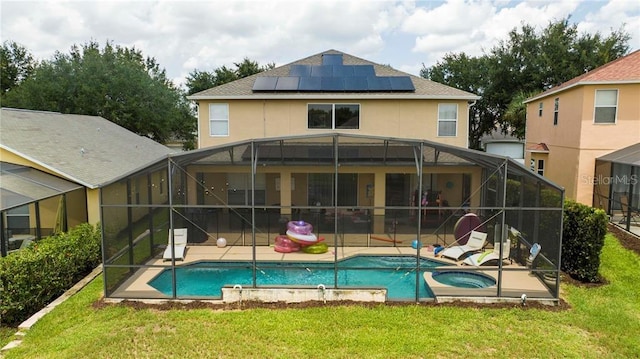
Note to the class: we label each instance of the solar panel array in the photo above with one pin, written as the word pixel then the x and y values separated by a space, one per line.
pixel 333 76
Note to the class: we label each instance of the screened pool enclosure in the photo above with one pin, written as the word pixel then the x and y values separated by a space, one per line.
pixel 379 210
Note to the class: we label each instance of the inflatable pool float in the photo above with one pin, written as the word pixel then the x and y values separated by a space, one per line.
pixel 317 248
pixel 302 238
pixel 299 227
pixel 285 245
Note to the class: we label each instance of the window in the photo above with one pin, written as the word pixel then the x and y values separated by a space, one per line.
pixel 541 167
pixel 219 119
pixel 540 109
pixel 239 189
pixel 606 106
pixel 320 189
pixel 556 106
pixel 333 116
pixel 447 119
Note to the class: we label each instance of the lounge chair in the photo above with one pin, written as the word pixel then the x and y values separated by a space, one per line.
pixel 179 237
pixel 475 243
pixel 479 259
pixel 628 211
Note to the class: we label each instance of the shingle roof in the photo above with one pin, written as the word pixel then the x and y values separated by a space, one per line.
pixel 88 150
pixel 242 88
pixel 622 70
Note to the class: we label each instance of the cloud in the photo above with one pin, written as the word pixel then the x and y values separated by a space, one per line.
pixel 187 35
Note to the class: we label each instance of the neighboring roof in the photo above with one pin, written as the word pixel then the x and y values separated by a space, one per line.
pixel 497 135
pixel 23 185
pixel 88 150
pixel 628 156
pixel 242 88
pixel 539 148
pixel 622 70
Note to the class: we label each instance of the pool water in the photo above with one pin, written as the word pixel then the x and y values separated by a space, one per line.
pixel 395 273
pixel 464 279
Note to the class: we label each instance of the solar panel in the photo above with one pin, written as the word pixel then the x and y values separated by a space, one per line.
pixel 401 83
pixel 332 84
pixel 265 83
pixel 378 83
pixel 287 83
pixel 363 70
pixel 355 83
pixel 343 71
pixel 322 71
pixel 309 84
pixel 300 70
pixel 332 59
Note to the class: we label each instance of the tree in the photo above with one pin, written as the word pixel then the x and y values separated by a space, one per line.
pixel 117 83
pixel 16 64
pixel 528 62
pixel 202 80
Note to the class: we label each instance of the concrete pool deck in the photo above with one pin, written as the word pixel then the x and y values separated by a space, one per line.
pixel 515 281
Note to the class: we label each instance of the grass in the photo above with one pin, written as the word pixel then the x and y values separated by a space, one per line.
pixel 603 322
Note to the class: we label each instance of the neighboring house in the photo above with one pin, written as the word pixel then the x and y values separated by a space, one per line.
pixel 499 143
pixel 572 124
pixel 53 165
pixel 333 92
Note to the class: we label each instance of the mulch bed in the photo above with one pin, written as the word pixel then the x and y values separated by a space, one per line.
pixel 628 241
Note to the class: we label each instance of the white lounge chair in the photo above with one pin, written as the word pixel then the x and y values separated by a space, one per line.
pixel 479 259
pixel 179 238
pixel 475 243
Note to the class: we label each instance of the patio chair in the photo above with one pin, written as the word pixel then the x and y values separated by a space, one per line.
pixel 633 213
pixel 476 242
pixel 179 237
pixel 26 241
pixel 479 259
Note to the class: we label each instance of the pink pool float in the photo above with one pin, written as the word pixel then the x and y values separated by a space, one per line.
pixel 285 245
pixel 299 227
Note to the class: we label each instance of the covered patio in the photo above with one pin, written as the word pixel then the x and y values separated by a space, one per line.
pixel 363 196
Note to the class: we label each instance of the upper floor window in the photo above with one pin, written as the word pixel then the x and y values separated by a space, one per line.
pixel 540 109
pixel 606 106
pixel 447 119
pixel 333 116
pixel 556 107
pixel 219 119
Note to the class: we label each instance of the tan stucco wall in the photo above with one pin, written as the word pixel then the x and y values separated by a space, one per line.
pixel 390 118
pixel 577 141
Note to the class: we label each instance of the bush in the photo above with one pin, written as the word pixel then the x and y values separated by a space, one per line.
pixel 583 235
pixel 35 276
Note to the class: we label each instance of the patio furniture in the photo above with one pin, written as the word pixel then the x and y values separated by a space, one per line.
pixel 628 211
pixel 179 239
pixel 25 238
pixel 479 259
pixel 475 243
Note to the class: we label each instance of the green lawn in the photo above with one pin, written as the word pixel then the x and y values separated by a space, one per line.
pixel 603 322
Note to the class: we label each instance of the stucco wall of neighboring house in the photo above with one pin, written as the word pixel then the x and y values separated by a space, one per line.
pixel 576 141
pixel 249 119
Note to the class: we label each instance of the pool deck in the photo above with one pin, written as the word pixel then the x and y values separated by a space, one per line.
pixel 514 283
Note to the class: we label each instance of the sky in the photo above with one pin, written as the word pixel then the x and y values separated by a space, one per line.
pixel 187 35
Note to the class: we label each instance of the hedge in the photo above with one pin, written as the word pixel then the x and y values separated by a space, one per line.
pixel 33 277
pixel 584 229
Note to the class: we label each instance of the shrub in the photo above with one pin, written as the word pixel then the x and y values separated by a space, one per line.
pixel 583 234
pixel 35 276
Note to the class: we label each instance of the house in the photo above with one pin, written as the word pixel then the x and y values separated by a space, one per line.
pixel 53 165
pixel 500 143
pixel 569 126
pixel 333 92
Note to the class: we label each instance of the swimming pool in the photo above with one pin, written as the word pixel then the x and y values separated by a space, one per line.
pixel 395 273
pixel 464 279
